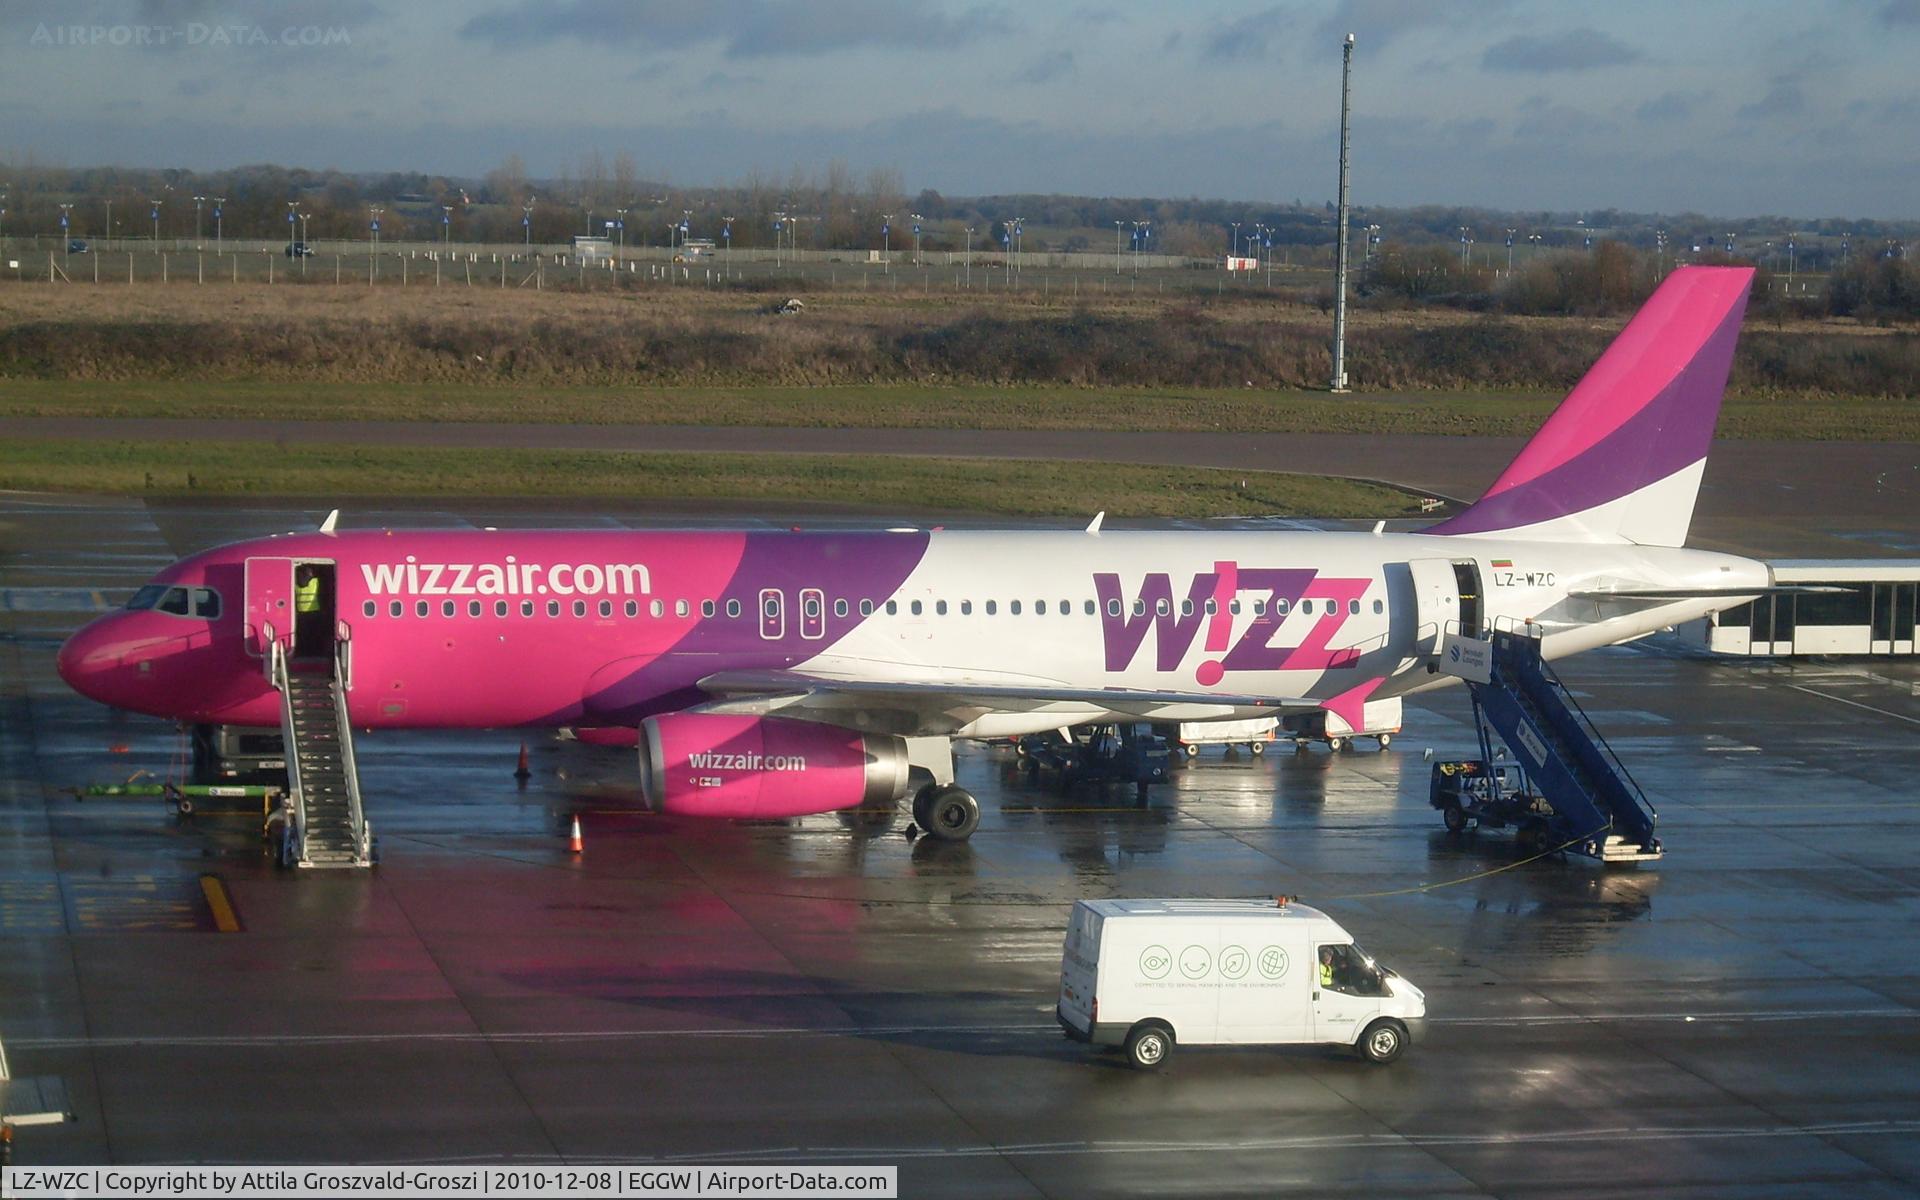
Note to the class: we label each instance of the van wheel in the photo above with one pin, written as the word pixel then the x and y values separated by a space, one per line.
pixel 1384 1041
pixel 1453 817
pixel 1148 1045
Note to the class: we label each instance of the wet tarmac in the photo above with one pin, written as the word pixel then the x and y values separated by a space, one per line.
pixel 1742 1018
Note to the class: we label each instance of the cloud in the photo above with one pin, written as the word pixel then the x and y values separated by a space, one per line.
pixel 1670 106
pixel 1047 68
pixel 1901 12
pixel 1784 98
pixel 1251 37
pixel 1574 50
pixel 744 28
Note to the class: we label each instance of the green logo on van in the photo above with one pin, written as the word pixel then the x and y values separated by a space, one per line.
pixel 1194 961
pixel 1155 962
pixel 1234 961
pixel 1273 962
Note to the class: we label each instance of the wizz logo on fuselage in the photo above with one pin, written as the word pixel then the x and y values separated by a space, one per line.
pixel 1209 603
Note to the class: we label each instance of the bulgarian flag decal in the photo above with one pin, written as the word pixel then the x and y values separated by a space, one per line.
pixel 1503 562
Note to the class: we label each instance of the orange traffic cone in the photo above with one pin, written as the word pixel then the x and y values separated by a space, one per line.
pixel 520 772
pixel 573 841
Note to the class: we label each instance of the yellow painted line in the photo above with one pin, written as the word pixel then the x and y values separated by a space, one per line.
pixel 224 917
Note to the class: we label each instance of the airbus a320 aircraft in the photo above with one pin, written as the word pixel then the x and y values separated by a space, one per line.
pixel 772 674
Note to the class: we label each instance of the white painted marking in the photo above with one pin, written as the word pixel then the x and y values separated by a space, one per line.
pixel 1853 703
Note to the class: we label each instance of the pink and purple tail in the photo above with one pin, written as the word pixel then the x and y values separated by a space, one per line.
pixel 1620 460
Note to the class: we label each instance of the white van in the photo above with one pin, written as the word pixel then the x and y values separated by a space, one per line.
pixel 1150 974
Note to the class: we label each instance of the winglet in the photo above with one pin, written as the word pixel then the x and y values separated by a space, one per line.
pixel 333 518
pixel 1093 526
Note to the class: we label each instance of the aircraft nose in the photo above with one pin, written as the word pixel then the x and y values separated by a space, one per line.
pixel 86 660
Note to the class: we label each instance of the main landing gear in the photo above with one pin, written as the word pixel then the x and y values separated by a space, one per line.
pixel 946 811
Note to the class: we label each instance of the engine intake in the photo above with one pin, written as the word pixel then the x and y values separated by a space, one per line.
pixel 711 765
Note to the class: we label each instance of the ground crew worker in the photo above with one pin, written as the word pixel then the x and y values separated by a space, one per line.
pixel 1326 966
pixel 307 595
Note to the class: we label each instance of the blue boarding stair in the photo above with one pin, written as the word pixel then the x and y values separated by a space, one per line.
pixel 1565 788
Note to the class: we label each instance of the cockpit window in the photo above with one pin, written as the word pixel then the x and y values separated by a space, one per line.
pixel 177 601
pixel 147 597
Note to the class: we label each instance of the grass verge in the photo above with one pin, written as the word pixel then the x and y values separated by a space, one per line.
pixel 893 484
pixel 908 406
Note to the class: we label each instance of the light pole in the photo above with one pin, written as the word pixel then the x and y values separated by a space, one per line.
pixel 726 235
pixel 1139 240
pixel 1659 253
pixel 304 217
pixel 1534 238
pixel 526 219
pixel 1117 260
pixel 1340 241
pixel 779 228
pixel 219 203
pixel 374 211
pixel 292 205
pixel 1235 251
pixel 446 228
pixel 66 253
pixel 969 256
pixel 620 225
pixel 886 245
pixel 155 214
pixel 197 202
pixel 1510 233
pixel 916 218
pixel 109 233
pixel 1019 236
pixel 1789 264
pixel 1464 240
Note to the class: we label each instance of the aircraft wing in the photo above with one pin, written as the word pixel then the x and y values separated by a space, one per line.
pixel 931 707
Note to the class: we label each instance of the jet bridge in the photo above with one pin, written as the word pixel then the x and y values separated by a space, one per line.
pixel 1565 788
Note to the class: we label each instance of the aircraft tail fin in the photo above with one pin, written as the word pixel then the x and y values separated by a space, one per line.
pixel 1620 460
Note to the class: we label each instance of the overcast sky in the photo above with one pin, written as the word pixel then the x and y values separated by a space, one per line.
pixel 1797 107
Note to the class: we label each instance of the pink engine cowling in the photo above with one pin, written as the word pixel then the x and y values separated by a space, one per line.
pixel 709 765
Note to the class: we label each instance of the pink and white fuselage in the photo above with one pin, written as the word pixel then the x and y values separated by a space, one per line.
pixel 753 666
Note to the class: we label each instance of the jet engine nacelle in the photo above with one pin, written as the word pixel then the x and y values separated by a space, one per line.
pixel 710 765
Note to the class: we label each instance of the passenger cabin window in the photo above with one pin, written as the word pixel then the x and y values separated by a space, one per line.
pixel 1353 606
pixel 656 608
pixel 421 608
pixel 1163 607
pixel 633 608
pixel 706 608
pixel 840 608
pixel 680 608
pixel 606 608
pixel 553 608
pixel 1139 608
pixel 810 607
pixel 1213 606
pixel 893 607
pixel 499 608
pixel 939 608
pixel 1260 607
pixel 733 608
pixel 1233 606
pixel 579 608
pixel 915 606
pixel 369 609
pixel 395 609
pixel 526 608
pixel 446 608
pixel 866 608
pixel 1113 608
pixel 993 607
pixel 1090 608
pixel 966 608
pixel 473 608
pixel 1040 607
pixel 1013 607
pixel 1378 607
pixel 1186 607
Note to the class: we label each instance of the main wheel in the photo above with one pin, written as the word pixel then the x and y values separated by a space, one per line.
pixel 1190 749
pixel 1386 739
pixel 1336 744
pixel 923 805
pixel 1384 1041
pixel 1454 817
pixel 1148 1045
pixel 1257 748
pixel 952 814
